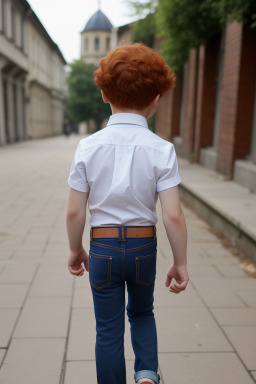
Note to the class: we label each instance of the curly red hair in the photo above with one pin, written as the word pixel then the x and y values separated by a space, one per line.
pixel 131 76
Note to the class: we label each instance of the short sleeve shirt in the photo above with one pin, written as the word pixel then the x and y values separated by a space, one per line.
pixel 123 167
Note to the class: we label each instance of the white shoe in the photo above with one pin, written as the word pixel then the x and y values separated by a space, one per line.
pixel 145 380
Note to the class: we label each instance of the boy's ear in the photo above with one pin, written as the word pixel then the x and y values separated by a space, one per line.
pixel 154 102
pixel 104 97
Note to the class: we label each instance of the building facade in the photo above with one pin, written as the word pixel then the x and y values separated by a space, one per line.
pixel 211 113
pixel 32 76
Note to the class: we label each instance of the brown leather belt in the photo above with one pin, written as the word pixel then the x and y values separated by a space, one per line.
pixel 126 232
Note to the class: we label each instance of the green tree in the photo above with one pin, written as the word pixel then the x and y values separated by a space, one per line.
pixel 240 10
pixel 142 7
pixel 84 101
pixel 144 30
pixel 186 24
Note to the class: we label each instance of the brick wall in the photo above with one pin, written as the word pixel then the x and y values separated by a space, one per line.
pixel 175 116
pixel 237 97
pixel 206 95
pixel 247 80
pixel 230 85
pixel 164 114
pixel 168 112
pixel 190 107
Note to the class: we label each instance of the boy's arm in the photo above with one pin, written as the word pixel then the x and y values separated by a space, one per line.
pixel 176 231
pixel 75 222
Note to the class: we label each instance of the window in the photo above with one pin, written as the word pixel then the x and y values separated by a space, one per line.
pixel 15 112
pixel 86 44
pixel 108 43
pixel 253 135
pixel 2 14
pixel 24 131
pixel 22 33
pixel 96 44
pixel 5 99
pixel 12 23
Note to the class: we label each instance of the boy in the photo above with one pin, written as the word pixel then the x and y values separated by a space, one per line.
pixel 120 171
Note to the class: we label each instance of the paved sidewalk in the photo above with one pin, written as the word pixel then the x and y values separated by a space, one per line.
pixel 227 206
pixel 207 334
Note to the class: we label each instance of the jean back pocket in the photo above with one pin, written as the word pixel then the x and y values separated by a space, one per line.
pixel 145 269
pixel 100 270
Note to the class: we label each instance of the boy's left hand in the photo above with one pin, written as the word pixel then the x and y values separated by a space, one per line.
pixel 75 262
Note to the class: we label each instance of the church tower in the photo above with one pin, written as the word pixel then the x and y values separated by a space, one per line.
pixel 96 38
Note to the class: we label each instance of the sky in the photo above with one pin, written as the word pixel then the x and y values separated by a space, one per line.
pixel 65 19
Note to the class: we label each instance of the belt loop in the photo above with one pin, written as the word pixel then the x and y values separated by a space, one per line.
pixel 91 234
pixel 154 232
pixel 124 232
pixel 121 234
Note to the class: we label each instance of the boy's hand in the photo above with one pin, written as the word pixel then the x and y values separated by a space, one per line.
pixel 180 274
pixel 75 262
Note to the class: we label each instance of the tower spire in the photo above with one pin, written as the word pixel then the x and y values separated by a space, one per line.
pixel 99 3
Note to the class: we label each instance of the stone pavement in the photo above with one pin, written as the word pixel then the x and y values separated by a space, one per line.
pixel 227 206
pixel 207 334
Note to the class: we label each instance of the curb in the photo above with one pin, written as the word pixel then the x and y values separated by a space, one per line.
pixel 239 236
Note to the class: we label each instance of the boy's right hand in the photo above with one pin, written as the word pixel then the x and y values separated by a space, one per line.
pixel 75 262
pixel 180 274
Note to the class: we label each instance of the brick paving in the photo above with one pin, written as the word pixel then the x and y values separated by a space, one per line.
pixel 207 334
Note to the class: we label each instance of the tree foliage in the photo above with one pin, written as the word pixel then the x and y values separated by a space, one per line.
pixel 84 101
pixel 144 30
pixel 142 7
pixel 240 10
pixel 186 24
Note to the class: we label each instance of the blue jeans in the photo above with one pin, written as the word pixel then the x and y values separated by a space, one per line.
pixel 114 264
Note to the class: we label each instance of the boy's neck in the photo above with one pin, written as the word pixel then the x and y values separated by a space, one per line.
pixel 146 112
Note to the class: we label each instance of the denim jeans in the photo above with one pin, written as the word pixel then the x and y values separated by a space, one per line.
pixel 113 265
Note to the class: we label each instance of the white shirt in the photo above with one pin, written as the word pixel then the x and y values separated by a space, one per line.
pixel 124 166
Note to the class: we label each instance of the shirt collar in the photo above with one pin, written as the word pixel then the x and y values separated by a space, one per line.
pixel 127 119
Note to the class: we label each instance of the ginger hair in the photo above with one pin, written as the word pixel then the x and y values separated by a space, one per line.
pixel 131 76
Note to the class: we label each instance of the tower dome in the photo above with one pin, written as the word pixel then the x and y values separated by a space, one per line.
pixel 96 38
pixel 98 22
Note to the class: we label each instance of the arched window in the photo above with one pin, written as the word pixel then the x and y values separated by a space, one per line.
pixel 96 44
pixel 86 44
